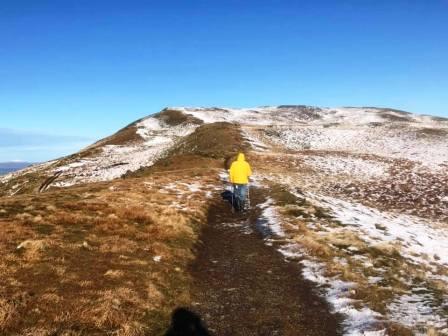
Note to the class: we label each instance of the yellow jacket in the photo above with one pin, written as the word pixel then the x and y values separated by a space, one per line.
pixel 240 170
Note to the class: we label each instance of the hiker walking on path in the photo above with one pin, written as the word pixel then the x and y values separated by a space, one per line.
pixel 240 171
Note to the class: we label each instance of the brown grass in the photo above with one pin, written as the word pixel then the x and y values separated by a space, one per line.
pixel 432 132
pixel 7 313
pixel 314 246
pixel 124 136
pixel 398 330
pixel 174 118
pixel 81 260
pixel 432 332
pixel 218 140
pixel 394 117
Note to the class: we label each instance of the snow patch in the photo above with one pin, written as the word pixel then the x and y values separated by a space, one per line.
pixel 417 310
pixel 418 238
pixel 269 221
pixel 381 141
pixel 116 160
pixel 418 242
pixel 357 321
pixel 353 166
pixel 147 125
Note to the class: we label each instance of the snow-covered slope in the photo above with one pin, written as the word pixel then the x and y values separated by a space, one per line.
pixel 138 145
pixel 301 114
pixel 383 132
pixel 116 160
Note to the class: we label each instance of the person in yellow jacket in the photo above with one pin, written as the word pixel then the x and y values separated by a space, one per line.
pixel 239 172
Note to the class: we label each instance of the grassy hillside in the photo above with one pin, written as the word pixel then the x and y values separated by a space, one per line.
pixel 106 257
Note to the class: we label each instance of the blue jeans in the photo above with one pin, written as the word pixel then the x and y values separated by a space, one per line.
pixel 240 193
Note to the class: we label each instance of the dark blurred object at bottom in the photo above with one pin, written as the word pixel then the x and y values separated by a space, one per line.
pixel 186 323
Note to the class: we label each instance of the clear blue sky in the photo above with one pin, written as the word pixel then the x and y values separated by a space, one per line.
pixel 85 68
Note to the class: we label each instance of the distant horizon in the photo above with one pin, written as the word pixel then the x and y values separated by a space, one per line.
pixel 9 167
pixel 16 162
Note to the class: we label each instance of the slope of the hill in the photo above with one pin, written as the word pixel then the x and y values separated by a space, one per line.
pixel 368 218
pixel 102 258
pixel 382 132
pixel 357 197
pixel 107 257
pixel 138 145
pixel 111 257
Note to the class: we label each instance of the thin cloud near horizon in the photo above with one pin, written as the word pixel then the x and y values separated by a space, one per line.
pixel 16 137
pixel 32 146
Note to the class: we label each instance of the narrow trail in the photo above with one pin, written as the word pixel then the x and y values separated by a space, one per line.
pixel 244 287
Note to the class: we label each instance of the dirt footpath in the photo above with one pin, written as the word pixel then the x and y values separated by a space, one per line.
pixel 244 287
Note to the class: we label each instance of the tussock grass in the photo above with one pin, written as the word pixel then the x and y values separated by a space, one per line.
pixel 8 313
pixel 81 260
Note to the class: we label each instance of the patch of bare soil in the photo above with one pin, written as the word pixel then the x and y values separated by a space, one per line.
pixel 244 287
